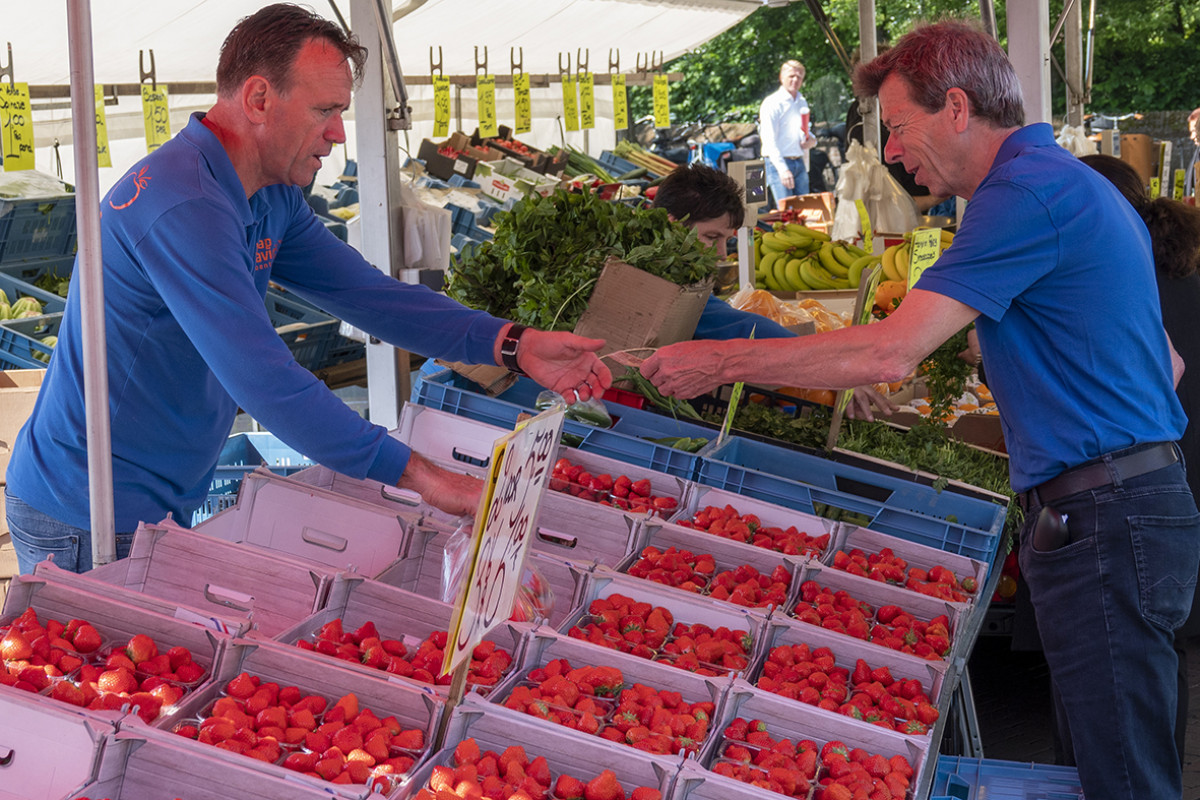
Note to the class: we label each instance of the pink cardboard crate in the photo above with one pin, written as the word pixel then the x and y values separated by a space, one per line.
pixel 47 750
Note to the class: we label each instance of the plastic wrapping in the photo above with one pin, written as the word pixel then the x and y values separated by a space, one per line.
pixel 588 412
pixel 765 304
pixel 1074 139
pixel 864 177
pixel 534 599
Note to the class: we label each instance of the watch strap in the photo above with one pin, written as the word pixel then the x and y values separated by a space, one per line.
pixel 509 346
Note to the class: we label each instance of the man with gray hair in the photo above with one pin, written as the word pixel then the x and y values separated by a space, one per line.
pixel 1056 270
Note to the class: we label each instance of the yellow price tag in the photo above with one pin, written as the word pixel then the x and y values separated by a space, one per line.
pixel 1155 186
pixel 103 157
pixel 570 103
pixel 156 116
pixel 620 103
pixel 485 86
pixel 523 105
pixel 441 106
pixel 926 249
pixel 864 221
pixel 662 102
pixel 587 100
pixel 1180 178
pixel 16 126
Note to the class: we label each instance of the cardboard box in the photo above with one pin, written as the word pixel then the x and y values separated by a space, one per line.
pixel 510 178
pixel 531 157
pixel 18 392
pixel 445 167
pixel 630 309
pixel 814 210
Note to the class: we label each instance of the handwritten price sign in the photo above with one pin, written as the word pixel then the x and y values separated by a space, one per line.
pixel 521 465
pixel 16 124
pixel 103 158
pixel 523 104
pixel 485 86
pixel 587 100
pixel 156 116
pixel 570 103
pixel 926 249
pixel 441 106
pixel 662 102
pixel 620 103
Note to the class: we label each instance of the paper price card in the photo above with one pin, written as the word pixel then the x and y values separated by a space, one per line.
pixel 523 113
pixel 570 103
pixel 16 126
pixel 1180 178
pixel 441 106
pixel 485 86
pixel 1155 186
pixel 156 116
pixel 520 469
pixel 103 157
pixel 662 102
pixel 620 102
pixel 587 100
pixel 864 222
pixel 926 249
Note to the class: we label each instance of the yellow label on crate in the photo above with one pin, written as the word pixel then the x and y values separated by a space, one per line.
pixel 587 101
pixel 103 157
pixel 16 126
pixel 1155 186
pixel 864 221
pixel 662 102
pixel 485 86
pixel 156 116
pixel 1180 180
pixel 570 103
pixel 926 250
pixel 620 103
pixel 522 104
pixel 441 106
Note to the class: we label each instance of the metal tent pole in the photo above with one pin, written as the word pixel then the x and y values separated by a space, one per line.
pixel 91 282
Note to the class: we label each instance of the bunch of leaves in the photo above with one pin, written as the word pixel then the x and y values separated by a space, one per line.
pixel 945 378
pixel 547 253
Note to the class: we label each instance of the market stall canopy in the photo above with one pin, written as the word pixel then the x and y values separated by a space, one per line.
pixel 186 35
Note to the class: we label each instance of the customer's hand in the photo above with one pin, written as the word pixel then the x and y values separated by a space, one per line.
pixel 565 363
pixel 866 401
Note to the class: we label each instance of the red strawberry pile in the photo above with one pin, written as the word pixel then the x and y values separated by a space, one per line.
pixel 621 492
pixel 728 523
pixel 647 631
pixel 889 625
pixel 887 567
pixel 799 672
pixel 511 774
pixel 744 585
pixel 68 660
pixel 423 664
pixel 512 144
pixel 449 152
pixel 751 755
pixel 595 700
pixel 341 743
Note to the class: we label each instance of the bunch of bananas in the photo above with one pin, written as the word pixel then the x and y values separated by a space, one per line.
pixel 895 258
pixel 795 258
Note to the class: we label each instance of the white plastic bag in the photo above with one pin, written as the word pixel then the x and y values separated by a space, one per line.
pixel 1074 140
pixel 426 233
pixel 534 600
pixel 864 177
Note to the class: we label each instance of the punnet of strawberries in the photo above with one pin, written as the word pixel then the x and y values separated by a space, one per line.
pixel 728 523
pixel 743 585
pixel 620 492
pixel 887 567
pixel 887 625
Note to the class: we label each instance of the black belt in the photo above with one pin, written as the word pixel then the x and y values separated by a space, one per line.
pixel 1095 474
pixel 793 158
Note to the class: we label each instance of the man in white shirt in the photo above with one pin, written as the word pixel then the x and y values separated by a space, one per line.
pixel 1189 183
pixel 783 126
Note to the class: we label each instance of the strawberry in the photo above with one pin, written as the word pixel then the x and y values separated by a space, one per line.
pixel 86 639
pixel 14 646
pixel 604 786
pixel 568 788
pixel 140 648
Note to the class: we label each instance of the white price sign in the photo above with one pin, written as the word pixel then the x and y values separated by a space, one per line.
pixel 521 465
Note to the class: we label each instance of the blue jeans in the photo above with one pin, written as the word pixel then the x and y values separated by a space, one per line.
pixel 36 536
pixel 1107 604
pixel 775 182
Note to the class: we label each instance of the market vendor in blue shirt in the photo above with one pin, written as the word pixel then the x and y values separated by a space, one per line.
pixel 1056 270
pixel 191 236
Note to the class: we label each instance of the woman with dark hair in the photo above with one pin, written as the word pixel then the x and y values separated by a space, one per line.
pixel 1175 240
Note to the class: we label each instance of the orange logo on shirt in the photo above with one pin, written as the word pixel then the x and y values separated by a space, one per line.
pixel 140 179
pixel 264 254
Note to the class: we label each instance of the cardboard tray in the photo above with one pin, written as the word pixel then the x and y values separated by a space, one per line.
pixel 270 590
pixel 770 514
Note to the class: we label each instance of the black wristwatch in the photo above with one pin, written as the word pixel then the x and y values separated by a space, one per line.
pixel 509 345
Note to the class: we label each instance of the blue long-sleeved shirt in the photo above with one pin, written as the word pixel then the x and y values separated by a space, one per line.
pixel 187 259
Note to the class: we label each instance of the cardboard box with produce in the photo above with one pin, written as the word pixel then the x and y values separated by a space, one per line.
pixel 530 157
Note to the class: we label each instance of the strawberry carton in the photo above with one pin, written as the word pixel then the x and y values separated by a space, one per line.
pixel 387 633
pixel 271 590
pixel 798 752
pixel 582 691
pixel 745 519
pixel 653 622
pixel 550 765
pixel 711 566
pixel 310 720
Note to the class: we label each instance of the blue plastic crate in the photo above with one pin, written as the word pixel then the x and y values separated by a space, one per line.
pixel 36 227
pixel 14 288
pixel 20 341
pixel 615 164
pixel 961 778
pixel 307 331
pixel 242 453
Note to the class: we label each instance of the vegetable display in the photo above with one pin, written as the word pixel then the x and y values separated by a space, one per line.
pixel 547 253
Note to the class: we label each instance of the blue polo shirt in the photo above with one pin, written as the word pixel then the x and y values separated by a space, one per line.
pixel 1060 268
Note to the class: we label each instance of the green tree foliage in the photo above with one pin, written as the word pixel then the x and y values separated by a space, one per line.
pixel 1146 57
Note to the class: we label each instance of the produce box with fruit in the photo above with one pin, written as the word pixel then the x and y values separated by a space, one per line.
pixel 310 720
pixel 533 158
pixel 100 656
pixel 799 752
pixel 651 621
pixel 837 674
pixel 454 156
pixel 583 691
pixel 202 572
pixel 327 529
pixel 387 632
pixel 744 519
pixel 641 493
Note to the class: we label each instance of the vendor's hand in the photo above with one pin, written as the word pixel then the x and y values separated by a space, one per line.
pixel 861 402
pixel 685 369
pixel 451 492
pixel 565 363
pixel 972 354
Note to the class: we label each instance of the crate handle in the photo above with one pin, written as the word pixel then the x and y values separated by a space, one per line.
pixel 405 497
pixel 478 461
pixel 322 539
pixel 228 598
pixel 557 539
pixel 6 756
